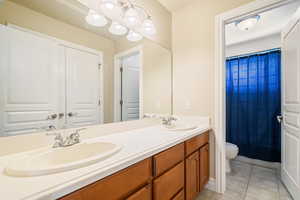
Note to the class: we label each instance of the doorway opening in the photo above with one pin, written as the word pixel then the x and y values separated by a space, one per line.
pixel 128 85
pixel 237 18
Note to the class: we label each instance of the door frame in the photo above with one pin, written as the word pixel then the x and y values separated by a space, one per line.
pixel 117 80
pixel 219 125
pixel 63 43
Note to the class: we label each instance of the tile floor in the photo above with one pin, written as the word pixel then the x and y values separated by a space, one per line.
pixel 250 182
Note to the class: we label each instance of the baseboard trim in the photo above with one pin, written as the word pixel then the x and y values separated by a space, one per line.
pixel 211 185
pixel 272 165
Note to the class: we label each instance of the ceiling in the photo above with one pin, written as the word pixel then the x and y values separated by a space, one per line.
pixel 68 11
pixel 173 5
pixel 270 23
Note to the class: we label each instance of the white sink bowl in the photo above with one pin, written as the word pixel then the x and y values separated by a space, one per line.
pixel 177 126
pixel 53 160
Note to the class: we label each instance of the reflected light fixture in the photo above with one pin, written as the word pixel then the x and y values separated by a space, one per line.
pixel 95 19
pixel 117 29
pixel 132 17
pixel 248 23
pixel 124 15
pixel 133 36
pixel 148 27
pixel 111 7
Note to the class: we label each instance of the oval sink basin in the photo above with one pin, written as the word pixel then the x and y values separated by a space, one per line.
pixel 54 160
pixel 181 127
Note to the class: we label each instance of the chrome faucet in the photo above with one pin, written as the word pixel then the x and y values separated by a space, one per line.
pixel 72 139
pixel 168 120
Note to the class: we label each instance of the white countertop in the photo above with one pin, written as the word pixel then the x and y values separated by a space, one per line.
pixel 137 145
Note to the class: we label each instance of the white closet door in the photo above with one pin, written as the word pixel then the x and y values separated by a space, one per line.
pixel 291 108
pixel 130 88
pixel 83 88
pixel 28 81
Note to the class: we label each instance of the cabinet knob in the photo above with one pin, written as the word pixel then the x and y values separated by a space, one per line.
pixel 61 115
pixel 52 117
pixel 72 114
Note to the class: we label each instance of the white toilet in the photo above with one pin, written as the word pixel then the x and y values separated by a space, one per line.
pixel 231 152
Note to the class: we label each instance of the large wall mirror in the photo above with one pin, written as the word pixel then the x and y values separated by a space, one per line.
pixel 57 71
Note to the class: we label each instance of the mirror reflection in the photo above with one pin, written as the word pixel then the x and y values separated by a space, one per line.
pixel 58 71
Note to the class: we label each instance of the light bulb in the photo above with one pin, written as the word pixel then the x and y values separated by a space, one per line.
pixel 133 36
pixel 148 27
pixel 111 8
pixel 117 29
pixel 95 19
pixel 131 17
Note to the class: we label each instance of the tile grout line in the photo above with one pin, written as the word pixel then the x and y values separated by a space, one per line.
pixel 250 175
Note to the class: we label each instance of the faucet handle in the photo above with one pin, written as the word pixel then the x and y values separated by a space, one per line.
pixel 74 138
pixel 59 140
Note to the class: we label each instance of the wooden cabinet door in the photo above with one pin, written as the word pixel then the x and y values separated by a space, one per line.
pixel 204 166
pixel 179 196
pixel 143 194
pixel 169 184
pixel 192 176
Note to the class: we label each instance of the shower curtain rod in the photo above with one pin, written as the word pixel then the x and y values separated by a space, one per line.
pixel 254 53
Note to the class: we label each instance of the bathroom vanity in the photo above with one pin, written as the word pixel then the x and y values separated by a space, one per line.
pixel 178 173
pixel 153 163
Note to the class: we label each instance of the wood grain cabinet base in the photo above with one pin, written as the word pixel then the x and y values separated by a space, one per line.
pixel 196 165
pixel 143 194
pixel 169 184
pixel 178 173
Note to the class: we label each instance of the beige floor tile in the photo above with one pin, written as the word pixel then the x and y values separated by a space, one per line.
pixel 208 195
pixel 286 198
pixel 236 185
pixel 264 183
pixel 261 193
pixel 261 171
pixel 250 182
pixel 284 194
pixel 231 195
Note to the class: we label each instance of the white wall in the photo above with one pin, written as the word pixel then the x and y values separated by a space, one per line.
pixel 256 45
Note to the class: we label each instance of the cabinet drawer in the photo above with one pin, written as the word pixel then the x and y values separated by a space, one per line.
pixel 74 196
pixel 196 142
pixel 167 185
pixel 143 194
pixel 121 184
pixel 168 159
pixel 179 196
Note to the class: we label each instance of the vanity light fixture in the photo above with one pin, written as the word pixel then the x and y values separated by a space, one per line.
pixel 132 17
pixel 117 29
pixel 95 19
pixel 148 27
pixel 112 8
pixel 248 23
pixel 133 36
pixel 124 15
